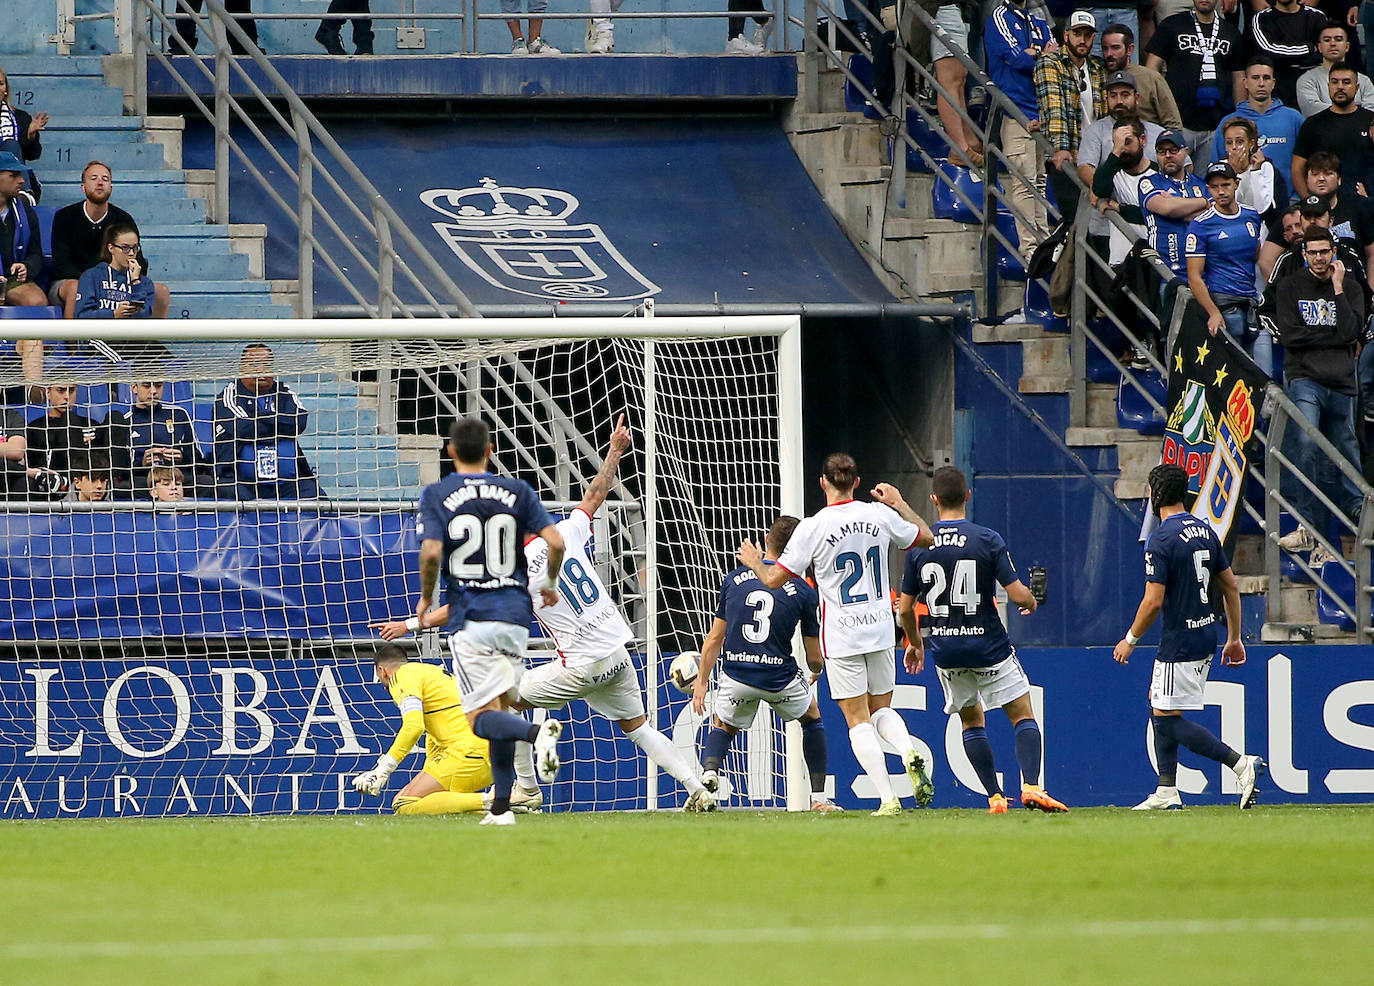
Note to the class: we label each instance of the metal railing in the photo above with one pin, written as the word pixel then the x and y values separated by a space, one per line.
pixel 300 134
pixel 410 23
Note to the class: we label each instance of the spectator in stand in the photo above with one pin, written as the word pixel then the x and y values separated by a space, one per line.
pixel 1097 146
pixel 1221 247
pixel 1277 124
pixel 1319 321
pixel 116 287
pixel 1314 93
pixel 1287 32
pixel 1014 39
pixel 1261 187
pixel 21 241
pixel 1171 198
pixel 737 43
pixel 90 476
pixel 1201 55
pixel 1312 213
pixel 166 484
pixel 1070 88
pixel 257 424
pixel 966 150
pixel 19 134
pixel 1341 129
pixel 531 43
pixel 1289 233
pixel 14 484
pixel 78 240
pixel 1155 103
pixel 1351 216
pixel 331 27
pixel 186 26
pixel 600 36
pixel 55 436
pixel 151 433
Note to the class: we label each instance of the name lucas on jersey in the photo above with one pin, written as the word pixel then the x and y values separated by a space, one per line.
pixel 950 539
pixel 852 528
pixel 487 491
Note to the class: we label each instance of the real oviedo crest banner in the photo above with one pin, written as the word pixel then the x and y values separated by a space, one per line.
pixel 1215 393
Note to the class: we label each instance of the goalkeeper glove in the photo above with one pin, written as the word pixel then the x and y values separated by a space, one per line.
pixel 50 483
pixel 374 780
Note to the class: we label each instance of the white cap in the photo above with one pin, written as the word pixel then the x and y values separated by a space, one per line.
pixel 1082 18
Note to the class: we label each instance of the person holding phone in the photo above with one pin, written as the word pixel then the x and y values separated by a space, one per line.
pixel 116 287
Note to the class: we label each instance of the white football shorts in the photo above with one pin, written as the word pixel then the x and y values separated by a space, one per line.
pixel 1178 684
pixel 874 673
pixel 994 686
pixel 488 660
pixel 610 686
pixel 738 703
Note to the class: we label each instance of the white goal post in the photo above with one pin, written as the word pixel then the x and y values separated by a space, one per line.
pixel 211 655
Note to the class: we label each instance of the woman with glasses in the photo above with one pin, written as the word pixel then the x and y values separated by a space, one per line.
pixel 116 287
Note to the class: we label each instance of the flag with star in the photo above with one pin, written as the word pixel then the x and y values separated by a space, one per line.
pixel 1215 393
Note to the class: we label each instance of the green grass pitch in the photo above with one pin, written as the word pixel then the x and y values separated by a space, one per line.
pixel 1276 895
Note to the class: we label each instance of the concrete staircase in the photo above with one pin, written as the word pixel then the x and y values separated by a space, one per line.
pixel 919 256
pixel 214 270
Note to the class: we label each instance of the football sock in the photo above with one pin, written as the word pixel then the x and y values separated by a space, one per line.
pixel 864 741
pixel 1028 747
pixel 891 728
pixel 717 742
pixel 502 773
pixel 979 753
pixel 496 724
pixel 524 767
pixel 1166 753
pixel 661 751
pixel 1197 738
pixel 438 803
pixel 813 752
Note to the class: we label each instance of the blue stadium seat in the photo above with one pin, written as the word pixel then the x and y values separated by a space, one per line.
pixel 1343 583
pixel 1134 411
pixel 930 140
pixel 1009 266
pixel 26 311
pixel 946 205
pixel 202 420
pixel 1037 308
pixel 45 214
pixel 1100 368
pixel 854 99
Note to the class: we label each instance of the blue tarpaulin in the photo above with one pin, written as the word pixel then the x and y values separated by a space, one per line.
pixel 522 212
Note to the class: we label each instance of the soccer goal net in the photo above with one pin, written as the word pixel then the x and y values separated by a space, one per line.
pixel 201 529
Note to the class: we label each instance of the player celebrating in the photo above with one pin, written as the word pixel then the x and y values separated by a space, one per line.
pixel 590 634
pixel 847 544
pixel 1185 565
pixel 752 637
pixel 475 523
pixel 456 765
pixel 977 665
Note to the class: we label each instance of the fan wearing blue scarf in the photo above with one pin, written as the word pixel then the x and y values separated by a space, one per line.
pixel 21 242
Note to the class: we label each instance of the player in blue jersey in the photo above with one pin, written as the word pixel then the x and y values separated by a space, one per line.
pixel 473 524
pixel 1170 198
pixel 957 578
pixel 1185 570
pixel 1222 248
pixel 752 639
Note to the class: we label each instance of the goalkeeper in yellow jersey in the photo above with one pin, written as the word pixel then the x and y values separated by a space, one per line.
pixel 456 766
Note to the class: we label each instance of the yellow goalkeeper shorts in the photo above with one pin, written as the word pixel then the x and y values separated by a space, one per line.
pixel 459 770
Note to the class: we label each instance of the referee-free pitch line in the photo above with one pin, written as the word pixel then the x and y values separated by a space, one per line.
pixel 657 937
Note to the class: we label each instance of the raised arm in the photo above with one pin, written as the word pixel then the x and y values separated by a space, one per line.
pixel 600 486
pixel 890 496
pixel 549 591
pixel 751 556
pixel 431 553
pixel 396 629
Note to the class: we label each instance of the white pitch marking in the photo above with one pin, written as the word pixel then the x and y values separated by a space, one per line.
pixel 653 938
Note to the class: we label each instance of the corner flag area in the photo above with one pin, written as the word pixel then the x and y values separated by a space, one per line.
pixel 1210 895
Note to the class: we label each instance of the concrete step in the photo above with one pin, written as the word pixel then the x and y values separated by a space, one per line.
pixel 212 306
pixel 123 179
pixel 99 124
pixel 117 154
pixel 1130 489
pixel 42 94
pixel 1252 585
pixel 1090 436
pixel 220 267
pixel 220 287
pixel 1304 633
pixel 1101 405
pixel 1007 331
pixel 61 66
pixel 1046 356
pixel 1248 556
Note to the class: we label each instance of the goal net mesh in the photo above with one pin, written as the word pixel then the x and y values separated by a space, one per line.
pixel 212 654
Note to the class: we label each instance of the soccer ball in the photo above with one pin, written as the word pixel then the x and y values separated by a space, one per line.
pixel 682 673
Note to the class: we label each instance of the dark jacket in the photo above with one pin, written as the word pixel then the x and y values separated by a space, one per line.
pixel 1318 329
pixel 138 429
pixel 255 443
pixel 76 240
pixel 31 256
pixel 1290 262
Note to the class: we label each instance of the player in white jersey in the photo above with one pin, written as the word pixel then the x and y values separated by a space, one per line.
pixel 847 545
pixel 590 635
